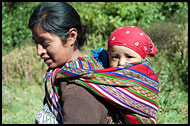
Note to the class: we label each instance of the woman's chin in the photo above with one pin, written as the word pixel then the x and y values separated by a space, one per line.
pixel 51 65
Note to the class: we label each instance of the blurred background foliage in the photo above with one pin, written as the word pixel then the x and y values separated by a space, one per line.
pixel 101 17
pixel 165 22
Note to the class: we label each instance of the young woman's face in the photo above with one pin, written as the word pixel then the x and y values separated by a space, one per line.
pixel 51 49
pixel 121 55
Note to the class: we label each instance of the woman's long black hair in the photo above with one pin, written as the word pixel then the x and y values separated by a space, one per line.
pixel 58 18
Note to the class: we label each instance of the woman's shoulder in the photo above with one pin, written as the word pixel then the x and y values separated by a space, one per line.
pixel 85 62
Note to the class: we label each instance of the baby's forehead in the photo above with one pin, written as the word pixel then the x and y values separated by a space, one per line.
pixel 120 49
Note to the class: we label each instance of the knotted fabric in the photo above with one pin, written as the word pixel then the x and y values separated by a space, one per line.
pixel 132 88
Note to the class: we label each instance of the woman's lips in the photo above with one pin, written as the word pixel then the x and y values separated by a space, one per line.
pixel 47 61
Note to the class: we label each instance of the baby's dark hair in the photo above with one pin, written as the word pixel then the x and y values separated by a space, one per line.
pixel 58 18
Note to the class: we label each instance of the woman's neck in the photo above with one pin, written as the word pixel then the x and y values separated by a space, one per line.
pixel 76 54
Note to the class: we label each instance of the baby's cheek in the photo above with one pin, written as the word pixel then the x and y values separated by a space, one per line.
pixel 113 64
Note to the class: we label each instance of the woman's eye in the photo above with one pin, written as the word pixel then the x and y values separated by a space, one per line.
pixel 45 44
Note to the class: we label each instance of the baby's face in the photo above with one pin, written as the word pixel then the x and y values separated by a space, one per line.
pixel 121 55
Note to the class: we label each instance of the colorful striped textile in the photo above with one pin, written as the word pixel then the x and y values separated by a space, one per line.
pixel 132 88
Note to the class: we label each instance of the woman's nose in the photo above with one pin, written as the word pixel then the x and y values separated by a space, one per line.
pixel 40 50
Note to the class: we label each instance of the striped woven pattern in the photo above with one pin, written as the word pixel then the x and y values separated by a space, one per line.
pixel 132 87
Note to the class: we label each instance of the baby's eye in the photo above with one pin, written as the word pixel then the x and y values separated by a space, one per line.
pixel 115 57
pixel 129 57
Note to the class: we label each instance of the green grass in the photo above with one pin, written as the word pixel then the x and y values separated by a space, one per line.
pixel 173 108
pixel 173 92
pixel 21 103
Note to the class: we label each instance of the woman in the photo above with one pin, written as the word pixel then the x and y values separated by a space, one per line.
pixel 59 36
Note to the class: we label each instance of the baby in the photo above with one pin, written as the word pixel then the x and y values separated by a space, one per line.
pixel 129 44
pixel 126 45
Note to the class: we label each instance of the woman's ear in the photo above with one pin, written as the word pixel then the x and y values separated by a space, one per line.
pixel 72 36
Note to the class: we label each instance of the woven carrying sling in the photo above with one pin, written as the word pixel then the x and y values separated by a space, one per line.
pixel 132 87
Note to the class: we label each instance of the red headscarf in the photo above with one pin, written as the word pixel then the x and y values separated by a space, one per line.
pixel 133 38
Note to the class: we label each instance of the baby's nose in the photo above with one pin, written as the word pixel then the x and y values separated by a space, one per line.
pixel 122 62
